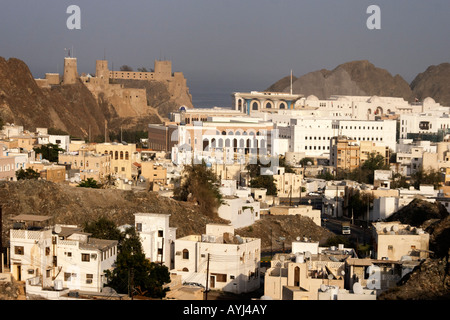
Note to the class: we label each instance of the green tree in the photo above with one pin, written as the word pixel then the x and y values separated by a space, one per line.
pixel 257 180
pixel 375 162
pixel 29 173
pixel 265 181
pixel 431 177
pixel 399 181
pixel 134 273
pixel 201 186
pixel 89 183
pixel 49 151
pixel 325 175
pixel 104 228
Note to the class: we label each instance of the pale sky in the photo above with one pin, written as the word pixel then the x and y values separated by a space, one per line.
pixel 223 46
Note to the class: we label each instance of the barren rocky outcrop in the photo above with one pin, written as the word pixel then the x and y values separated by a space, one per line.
pixel 363 78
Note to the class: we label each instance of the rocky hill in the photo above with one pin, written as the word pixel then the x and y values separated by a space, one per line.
pixel 363 78
pixel 72 205
pixel 433 82
pixel 73 108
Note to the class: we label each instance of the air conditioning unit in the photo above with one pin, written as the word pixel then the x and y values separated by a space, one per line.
pixel 94 256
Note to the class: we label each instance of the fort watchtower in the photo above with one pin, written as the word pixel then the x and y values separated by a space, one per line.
pixel 70 71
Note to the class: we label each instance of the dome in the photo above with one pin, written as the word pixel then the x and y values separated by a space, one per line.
pixel 312 97
pixel 429 100
pixel 373 99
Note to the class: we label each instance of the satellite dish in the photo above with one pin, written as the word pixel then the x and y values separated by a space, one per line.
pixel 266 298
pixel 58 229
pixel 323 287
pixel 298 238
pixel 330 277
pixel 357 288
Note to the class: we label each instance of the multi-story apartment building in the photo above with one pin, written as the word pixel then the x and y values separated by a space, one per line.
pixel 219 260
pixel 345 153
pixel 312 136
pixel 156 236
pixel 60 256
pixel 122 157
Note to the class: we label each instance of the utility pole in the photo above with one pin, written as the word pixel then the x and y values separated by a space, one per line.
pixel 207 278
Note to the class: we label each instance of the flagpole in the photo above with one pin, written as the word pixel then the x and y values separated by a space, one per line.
pixel 291 81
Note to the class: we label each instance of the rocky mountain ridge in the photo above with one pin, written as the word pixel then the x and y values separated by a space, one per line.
pixel 364 78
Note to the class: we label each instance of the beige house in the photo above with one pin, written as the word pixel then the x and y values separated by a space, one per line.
pixel 49 171
pixel 395 240
pixel 294 277
pixel 91 165
pixel 288 184
pixel 122 158
pixel 154 173
pixel 303 210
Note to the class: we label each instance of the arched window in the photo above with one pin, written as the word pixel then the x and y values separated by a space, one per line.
pixel 121 155
pixel 186 254
pixel 255 105
pixel 127 156
pixel 116 155
pixel 282 105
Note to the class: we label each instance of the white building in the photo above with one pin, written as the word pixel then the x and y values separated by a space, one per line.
pixel 429 123
pixel 224 140
pixel 156 236
pixel 312 136
pixel 219 260
pixel 348 106
pixel 240 211
pixel 58 257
